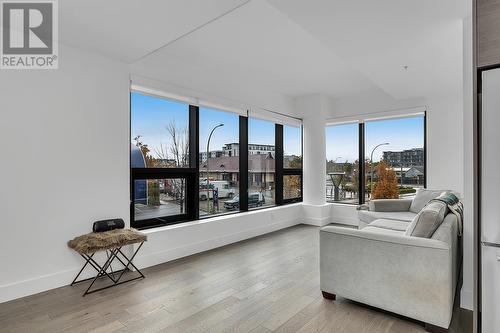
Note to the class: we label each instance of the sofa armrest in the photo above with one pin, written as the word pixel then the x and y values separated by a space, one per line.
pixel 390 205
pixel 407 275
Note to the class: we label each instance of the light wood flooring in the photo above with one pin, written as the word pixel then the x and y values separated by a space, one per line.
pixel 265 284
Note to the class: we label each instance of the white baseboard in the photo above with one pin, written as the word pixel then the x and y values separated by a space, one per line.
pixel 36 285
pixel 466 299
pixel 316 221
pixel 63 278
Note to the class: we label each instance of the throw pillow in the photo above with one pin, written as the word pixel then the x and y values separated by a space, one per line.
pixel 428 220
pixel 422 198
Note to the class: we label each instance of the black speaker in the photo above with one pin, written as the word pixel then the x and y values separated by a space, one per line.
pixel 107 225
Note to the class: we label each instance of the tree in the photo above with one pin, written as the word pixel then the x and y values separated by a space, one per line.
pixel 296 162
pixel 291 187
pixel 172 156
pixel 387 185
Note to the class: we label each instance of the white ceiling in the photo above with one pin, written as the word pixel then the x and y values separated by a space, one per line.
pixel 378 38
pixel 254 50
pixel 128 30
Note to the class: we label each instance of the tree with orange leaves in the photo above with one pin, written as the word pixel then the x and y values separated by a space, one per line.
pixel 387 185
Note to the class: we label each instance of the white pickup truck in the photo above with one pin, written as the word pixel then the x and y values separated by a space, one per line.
pixel 223 186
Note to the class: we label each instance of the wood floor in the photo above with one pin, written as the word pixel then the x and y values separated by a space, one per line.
pixel 266 284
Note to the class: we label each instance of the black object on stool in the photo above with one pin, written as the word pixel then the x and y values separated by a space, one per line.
pixel 107 225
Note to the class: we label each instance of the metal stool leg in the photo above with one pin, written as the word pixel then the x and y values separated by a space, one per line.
pixel 102 271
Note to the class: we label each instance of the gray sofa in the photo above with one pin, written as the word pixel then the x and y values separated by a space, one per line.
pixel 380 265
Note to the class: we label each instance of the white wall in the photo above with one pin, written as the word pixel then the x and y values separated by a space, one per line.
pixel 445 144
pixel 65 163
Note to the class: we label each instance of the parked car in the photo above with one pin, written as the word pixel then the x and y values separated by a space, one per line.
pixel 254 200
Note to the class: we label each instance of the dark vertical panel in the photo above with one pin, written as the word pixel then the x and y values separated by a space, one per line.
pixel 243 164
pixel 477 166
pixel 278 162
pixel 130 179
pixel 361 164
pixel 302 162
pixel 193 203
pixel 425 149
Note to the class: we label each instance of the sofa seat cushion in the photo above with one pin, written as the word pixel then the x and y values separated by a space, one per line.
pixel 390 224
pixel 368 216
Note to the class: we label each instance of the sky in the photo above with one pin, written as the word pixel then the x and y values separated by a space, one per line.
pixel 404 133
pixel 150 116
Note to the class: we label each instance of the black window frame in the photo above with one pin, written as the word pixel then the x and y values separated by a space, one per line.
pixel 362 160
pixel 192 173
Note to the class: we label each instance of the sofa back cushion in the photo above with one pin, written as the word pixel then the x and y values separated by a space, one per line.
pixel 428 220
pixel 423 197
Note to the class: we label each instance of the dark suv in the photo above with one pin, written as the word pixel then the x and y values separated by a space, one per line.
pixel 254 200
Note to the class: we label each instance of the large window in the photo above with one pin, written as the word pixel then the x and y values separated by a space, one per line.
pixel 219 162
pixel 376 159
pixel 189 162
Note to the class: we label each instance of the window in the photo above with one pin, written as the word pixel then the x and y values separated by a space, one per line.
pixel 395 157
pixel 292 162
pixel 162 168
pixel 377 159
pixel 261 167
pixel 156 199
pixel 292 147
pixel 219 184
pixel 342 159
pixel 160 130
pixel 189 162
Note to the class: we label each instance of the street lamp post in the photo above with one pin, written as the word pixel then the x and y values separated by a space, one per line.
pixel 208 167
pixel 371 163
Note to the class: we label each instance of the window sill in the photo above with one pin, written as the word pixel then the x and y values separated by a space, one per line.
pixel 218 218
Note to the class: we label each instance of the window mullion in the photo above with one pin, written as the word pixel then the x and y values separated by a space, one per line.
pixel 193 204
pixel 278 164
pixel 361 164
pixel 243 151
